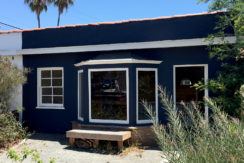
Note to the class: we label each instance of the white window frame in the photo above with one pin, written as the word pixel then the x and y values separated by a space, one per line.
pixel 205 81
pixel 156 94
pixel 79 100
pixel 39 103
pixel 127 96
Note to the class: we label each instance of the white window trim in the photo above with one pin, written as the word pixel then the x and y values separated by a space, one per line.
pixel 205 81
pixel 156 94
pixel 127 96
pixel 48 106
pixel 79 100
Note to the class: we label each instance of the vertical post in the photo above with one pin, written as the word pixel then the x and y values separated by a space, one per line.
pixel 71 142
pixel 95 143
pixel 120 145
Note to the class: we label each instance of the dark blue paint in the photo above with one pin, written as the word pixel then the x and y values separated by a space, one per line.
pixel 188 27
pixel 60 120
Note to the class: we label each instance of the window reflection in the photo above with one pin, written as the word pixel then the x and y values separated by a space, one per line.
pixel 108 95
pixel 146 91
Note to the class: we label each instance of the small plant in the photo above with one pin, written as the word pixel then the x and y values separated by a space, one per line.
pixel 188 137
pixel 10 130
pixel 24 154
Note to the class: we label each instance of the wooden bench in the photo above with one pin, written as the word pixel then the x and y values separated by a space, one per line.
pixel 96 135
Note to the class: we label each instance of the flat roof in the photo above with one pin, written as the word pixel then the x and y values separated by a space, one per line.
pixel 116 22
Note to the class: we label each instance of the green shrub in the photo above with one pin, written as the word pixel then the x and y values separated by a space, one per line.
pixel 10 129
pixel 10 78
pixel 227 82
pixel 188 137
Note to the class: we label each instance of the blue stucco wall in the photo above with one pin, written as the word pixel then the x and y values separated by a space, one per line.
pixel 184 27
pixel 47 120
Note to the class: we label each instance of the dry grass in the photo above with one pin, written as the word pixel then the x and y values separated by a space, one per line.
pixel 130 149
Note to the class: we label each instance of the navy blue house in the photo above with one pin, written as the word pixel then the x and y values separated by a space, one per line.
pixel 98 74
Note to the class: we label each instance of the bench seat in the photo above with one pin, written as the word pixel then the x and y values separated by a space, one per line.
pixel 97 135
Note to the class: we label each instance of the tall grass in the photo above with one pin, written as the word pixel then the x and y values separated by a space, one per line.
pixel 188 137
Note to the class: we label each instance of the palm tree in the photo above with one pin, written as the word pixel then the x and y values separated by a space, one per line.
pixel 62 4
pixel 38 6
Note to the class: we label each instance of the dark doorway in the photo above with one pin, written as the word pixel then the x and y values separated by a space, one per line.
pixel 185 78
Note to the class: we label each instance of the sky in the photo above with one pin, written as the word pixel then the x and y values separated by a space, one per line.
pixel 16 13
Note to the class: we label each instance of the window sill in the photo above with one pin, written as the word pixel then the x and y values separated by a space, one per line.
pixel 51 107
pixel 144 122
pixel 80 119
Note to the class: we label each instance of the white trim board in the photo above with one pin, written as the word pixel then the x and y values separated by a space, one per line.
pixel 127 96
pixel 205 81
pixel 118 46
pixel 79 102
pixel 116 61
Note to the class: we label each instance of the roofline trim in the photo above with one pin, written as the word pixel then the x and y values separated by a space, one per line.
pixel 118 46
pixel 117 61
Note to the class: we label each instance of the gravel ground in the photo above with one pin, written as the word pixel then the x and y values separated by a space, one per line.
pixel 54 145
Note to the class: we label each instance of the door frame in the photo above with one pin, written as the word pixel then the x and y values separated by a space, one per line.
pixel 205 82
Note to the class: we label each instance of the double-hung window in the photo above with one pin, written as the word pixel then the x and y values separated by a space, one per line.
pixel 50 88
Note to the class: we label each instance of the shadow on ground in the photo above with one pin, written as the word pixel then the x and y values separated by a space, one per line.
pixel 50 137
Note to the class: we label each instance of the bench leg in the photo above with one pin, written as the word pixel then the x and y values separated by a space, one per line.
pixel 120 145
pixel 95 143
pixel 71 142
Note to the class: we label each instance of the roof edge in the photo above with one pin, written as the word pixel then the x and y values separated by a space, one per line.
pixel 116 22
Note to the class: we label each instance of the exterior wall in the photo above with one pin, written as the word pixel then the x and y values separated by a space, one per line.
pixel 9 44
pixel 16 99
pixel 49 120
pixel 158 29
pixel 11 41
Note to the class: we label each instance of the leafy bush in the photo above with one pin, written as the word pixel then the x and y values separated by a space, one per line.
pixel 188 137
pixel 10 129
pixel 229 79
pixel 11 77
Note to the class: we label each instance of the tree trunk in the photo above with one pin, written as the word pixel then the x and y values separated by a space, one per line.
pixel 58 18
pixel 38 19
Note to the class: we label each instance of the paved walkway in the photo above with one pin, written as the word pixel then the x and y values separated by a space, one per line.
pixel 54 145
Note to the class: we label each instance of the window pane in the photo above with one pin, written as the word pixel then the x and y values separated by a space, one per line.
pixel 58 99
pixel 46 82
pixel 57 91
pixel 57 73
pixel 146 91
pixel 108 95
pixel 46 99
pixel 45 74
pixel 57 82
pixel 46 91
